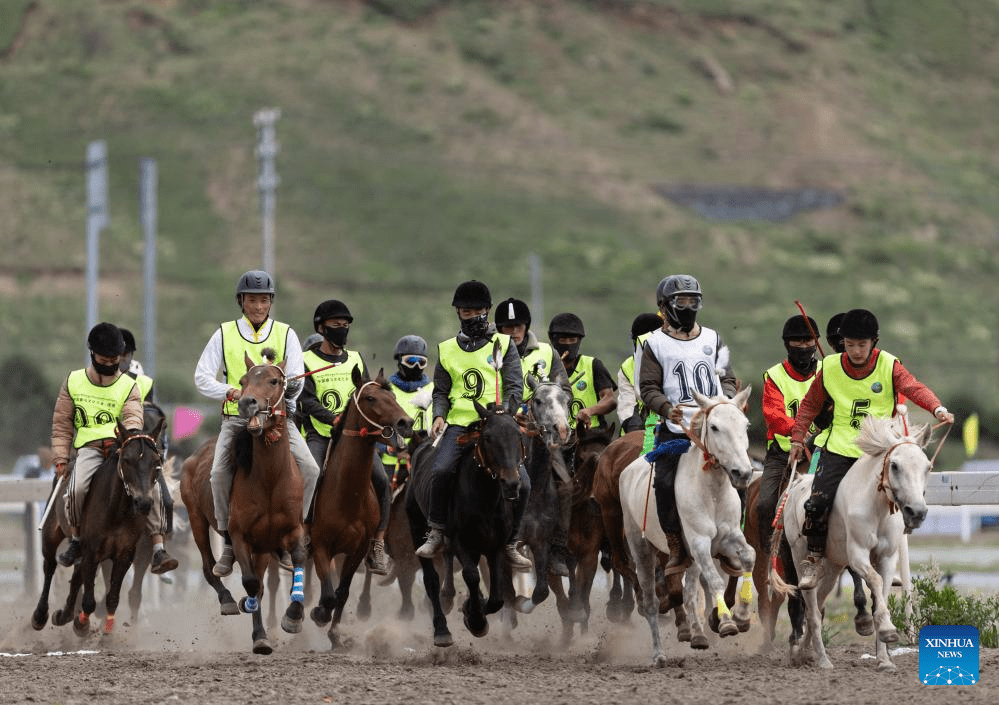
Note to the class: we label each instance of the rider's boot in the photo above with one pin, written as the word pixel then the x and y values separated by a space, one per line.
pixel 516 559
pixel 162 562
pixel 376 561
pixel 677 551
pixel 556 562
pixel 433 546
pixel 810 570
pixel 72 553
pixel 223 566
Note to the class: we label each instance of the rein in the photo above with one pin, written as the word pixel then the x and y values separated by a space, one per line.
pixel 480 459
pixel 364 430
pixel 710 461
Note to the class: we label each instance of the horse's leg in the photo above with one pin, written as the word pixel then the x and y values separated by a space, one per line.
pixel 273 575
pixel 350 567
pixel 700 549
pixel 691 590
pixel 140 564
pixel 52 537
pixel 645 561
pixel 200 531
pixel 615 597
pixel 294 615
pixel 448 591
pixel 405 576
pixel 562 606
pixel 364 599
pixel 497 571
pixel 863 622
pixel 432 586
pixel 88 576
pixel 323 611
pixel 252 602
pixel 66 614
pixel 729 595
pixel 474 618
pixel 586 571
pixel 118 569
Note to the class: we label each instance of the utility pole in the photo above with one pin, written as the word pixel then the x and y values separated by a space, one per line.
pixel 98 218
pixel 147 216
pixel 267 179
pixel 537 294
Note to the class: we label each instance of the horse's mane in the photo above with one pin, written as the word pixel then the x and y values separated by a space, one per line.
pixel 879 435
pixel 242 450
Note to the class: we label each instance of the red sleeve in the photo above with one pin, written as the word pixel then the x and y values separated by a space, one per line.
pixel 775 410
pixel 810 407
pixel 911 387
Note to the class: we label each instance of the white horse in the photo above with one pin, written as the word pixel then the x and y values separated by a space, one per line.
pixel 710 512
pixel 866 528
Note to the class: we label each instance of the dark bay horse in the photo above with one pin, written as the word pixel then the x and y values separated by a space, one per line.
pixel 114 514
pixel 346 510
pixel 481 514
pixel 265 503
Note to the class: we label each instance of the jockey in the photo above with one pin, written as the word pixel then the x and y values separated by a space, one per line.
pixel 324 396
pixel 861 381
pixel 630 409
pixel 225 352
pixel 537 359
pixel 465 373
pixel 89 404
pixel 134 369
pixel 833 337
pixel 592 385
pixel 784 385
pixel 678 359
pixel 408 382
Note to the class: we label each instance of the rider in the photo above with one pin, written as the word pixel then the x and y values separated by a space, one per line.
pixel 537 359
pixel 225 352
pixel 324 396
pixel 784 385
pixel 862 381
pixel 90 403
pixel 681 357
pixel 630 409
pixel 409 384
pixel 592 385
pixel 465 373
pixel 131 367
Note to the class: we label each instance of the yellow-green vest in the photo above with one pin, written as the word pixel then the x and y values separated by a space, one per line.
pixel 544 353
pixel 853 399
pixel 793 391
pixel 96 409
pixel 333 386
pixel 145 383
pixel 234 345
pixel 418 415
pixel 472 377
pixel 584 394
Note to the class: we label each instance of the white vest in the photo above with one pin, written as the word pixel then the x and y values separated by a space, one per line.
pixel 688 366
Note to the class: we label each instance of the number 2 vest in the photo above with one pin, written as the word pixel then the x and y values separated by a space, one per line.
pixel 538 364
pixel 333 386
pixel 793 391
pixel 853 399
pixel 234 346
pixel 472 377
pixel 96 409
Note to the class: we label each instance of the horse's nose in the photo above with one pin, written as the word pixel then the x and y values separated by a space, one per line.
pixel 913 516
pixel 142 505
pixel 247 406
pixel 510 489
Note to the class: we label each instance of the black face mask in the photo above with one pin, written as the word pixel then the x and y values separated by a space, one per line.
pixel 801 359
pixel 103 370
pixel 476 326
pixel 410 374
pixel 335 336
pixel 567 351
pixel 682 320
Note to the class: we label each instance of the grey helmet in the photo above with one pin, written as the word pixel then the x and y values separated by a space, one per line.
pixel 312 340
pixel 255 281
pixel 676 284
pixel 410 345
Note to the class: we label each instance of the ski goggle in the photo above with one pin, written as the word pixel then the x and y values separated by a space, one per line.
pixel 414 361
pixel 687 301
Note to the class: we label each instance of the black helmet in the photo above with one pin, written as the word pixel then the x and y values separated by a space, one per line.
pixel 410 345
pixel 859 324
pixel 105 339
pixel 472 294
pixel 129 339
pixel 328 309
pixel 833 337
pixel 567 324
pixel 797 328
pixel 645 323
pixel 512 312
pixel 676 284
pixel 255 281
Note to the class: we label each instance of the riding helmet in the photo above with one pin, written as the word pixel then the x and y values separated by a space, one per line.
pixel 797 328
pixel 512 312
pixel 645 323
pixel 328 309
pixel 833 337
pixel 105 339
pixel 676 284
pixel 472 294
pixel 567 324
pixel 859 324
pixel 410 345
pixel 126 334
pixel 255 281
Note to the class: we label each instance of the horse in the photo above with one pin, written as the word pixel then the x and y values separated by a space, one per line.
pixel 265 502
pixel 879 498
pixel 113 518
pixel 488 482
pixel 346 509
pixel 710 513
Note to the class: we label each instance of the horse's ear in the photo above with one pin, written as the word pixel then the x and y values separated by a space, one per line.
pixel 479 409
pixel 380 377
pixel 120 431
pixel 356 377
pixel 741 399
pixel 922 435
pixel 703 401
pixel 511 404
pixel 159 427
pixel 246 358
pixel 282 364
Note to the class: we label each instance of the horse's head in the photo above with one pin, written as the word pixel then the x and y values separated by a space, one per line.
pixel 549 408
pixel 904 465
pixel 500 448
pixel 722 427
pixel 139 464
pixel 377 405
pixel 262 400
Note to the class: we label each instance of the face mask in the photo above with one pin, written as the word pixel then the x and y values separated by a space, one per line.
pixel 801 359
pixel 103 370
pixel 476 326
pixel 410 374
pixel 683 319
pixel 567 351
pixel 335 336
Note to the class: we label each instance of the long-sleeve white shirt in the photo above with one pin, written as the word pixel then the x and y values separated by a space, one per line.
pixel 210 365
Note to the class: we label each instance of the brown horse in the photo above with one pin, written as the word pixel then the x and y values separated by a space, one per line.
pixel 346 511
pixel 113 519
pixel 265 503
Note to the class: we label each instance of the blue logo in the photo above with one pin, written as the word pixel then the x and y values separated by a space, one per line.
pixel 876 387
pixel 948 654
pixel 581 385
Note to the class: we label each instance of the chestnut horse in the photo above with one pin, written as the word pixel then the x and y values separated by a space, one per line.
pixel 265 506
pixel 113 519
pixel 346 511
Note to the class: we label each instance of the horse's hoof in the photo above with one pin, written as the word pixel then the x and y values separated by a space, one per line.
pixel 524 605
pixel 38 620
pixel 577 615
pixel 363 610
pixel 888 636
pixel 864 624
pixel 613 612
pixel 480 632
pixel 60 617
pixel 292 626
pixel 683 633
pixel 825 663
pixel 262 647
pixel 713 620
pixel 229 608
pixel 444 639
pixel 727 627
pixel 81 629
pixel 109 624
pixel 886 667
pixel 320 616
pixel 742 624
pixel 699 642
pixel 659 661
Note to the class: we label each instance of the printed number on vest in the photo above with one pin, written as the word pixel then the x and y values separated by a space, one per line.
pixel 474 384
pixel 859 411
pixel 702 377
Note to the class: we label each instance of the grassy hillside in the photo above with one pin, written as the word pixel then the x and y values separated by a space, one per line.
pixel 424 143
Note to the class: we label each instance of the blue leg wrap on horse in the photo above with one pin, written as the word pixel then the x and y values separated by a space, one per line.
pixel 298 586
pixel 251 604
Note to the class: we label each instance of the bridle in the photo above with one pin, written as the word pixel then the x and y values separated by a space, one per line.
pixel 384 432
pixel 276 407
pixel 477 453
pixel 125 442
pixel 710 461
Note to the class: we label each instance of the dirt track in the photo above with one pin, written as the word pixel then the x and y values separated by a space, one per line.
pixel 186 652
